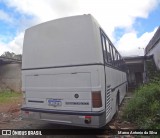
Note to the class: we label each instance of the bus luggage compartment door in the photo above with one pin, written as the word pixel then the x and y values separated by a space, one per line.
pixel 65 91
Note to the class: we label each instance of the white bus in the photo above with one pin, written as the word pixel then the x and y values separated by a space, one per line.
pixel 71 73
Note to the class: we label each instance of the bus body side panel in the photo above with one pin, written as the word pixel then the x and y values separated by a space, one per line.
pixel 117 82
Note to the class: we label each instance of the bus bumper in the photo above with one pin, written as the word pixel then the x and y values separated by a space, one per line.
pixel 84 119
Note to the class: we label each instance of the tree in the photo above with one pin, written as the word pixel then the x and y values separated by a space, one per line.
pixel 12 55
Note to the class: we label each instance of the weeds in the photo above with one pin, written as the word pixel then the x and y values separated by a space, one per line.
pixel 144 108
pixel 9 96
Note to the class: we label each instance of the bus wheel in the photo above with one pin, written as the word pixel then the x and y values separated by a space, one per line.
pixel 116 108
pixel 117 104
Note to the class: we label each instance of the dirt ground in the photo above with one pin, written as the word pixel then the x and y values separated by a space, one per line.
pixel 10 118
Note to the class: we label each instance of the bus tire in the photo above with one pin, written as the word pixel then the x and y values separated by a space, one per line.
pixel 126 88
pixel 117 104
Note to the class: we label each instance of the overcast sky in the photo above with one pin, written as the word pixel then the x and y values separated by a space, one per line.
pixel 130 24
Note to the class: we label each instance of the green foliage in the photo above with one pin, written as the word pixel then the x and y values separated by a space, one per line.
pixel 150 69
pixel 144 108
pixel 8 96
pixel 152 73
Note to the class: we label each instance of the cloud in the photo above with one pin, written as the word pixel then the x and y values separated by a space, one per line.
pixel 13 46
pixel 43 10
pixel 5 17
pixel 130 45
pixel 16 44
pixel 4 48
pixel 111 14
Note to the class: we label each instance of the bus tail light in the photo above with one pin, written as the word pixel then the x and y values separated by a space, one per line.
pixel 96 99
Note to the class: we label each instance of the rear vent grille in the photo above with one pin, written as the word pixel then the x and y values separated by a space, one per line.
pixel 108 102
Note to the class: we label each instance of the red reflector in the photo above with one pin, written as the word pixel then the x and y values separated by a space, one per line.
pixel 27 112
pixel 88 116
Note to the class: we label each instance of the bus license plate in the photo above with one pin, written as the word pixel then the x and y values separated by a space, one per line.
pixel 54 102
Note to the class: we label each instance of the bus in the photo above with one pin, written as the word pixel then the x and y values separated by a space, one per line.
pixel 71 73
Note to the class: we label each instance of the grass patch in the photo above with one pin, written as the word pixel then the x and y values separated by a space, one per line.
pixel 9 96
pixel 144 108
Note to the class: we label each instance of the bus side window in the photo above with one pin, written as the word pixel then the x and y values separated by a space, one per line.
pixel 118 60
pixel 104 48
pixel 111 54
pixel 114 56
pixel 108 52
pixel 121 63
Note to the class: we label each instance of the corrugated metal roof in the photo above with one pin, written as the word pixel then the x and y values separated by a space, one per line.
pixel 155 39
pixel 134 60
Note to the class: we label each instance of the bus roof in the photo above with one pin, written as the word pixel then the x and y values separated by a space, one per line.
pixel 66 41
